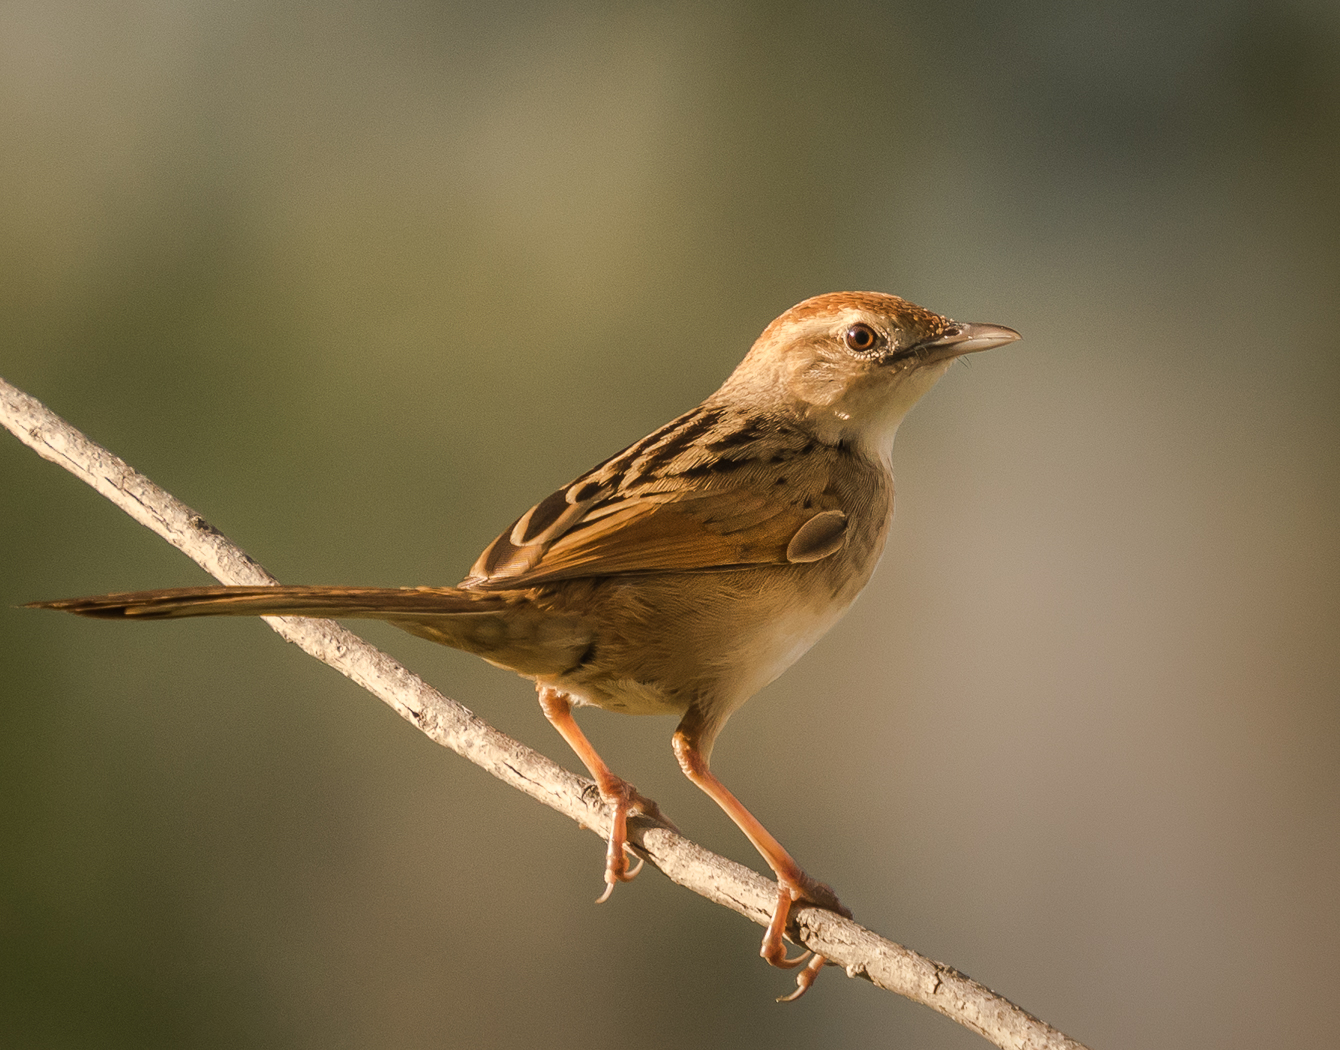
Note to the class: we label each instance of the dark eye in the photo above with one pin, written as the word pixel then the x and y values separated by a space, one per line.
pixel 860 337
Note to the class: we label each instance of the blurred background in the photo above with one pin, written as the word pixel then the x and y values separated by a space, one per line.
pixel 361 281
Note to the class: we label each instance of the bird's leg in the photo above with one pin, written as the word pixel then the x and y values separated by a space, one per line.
pixel 692 742
pixel 617 792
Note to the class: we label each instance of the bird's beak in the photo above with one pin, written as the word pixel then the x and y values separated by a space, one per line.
pixel 968 339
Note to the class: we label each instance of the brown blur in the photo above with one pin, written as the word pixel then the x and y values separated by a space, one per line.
pixel 361 281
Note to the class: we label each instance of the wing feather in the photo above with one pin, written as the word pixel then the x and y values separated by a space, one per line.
pixel 709 491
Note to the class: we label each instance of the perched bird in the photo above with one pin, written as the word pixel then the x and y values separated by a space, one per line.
pixel 689 570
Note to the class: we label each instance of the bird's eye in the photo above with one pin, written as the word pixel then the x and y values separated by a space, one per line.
pixel 860 337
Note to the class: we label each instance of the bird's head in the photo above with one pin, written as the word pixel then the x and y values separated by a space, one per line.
pixel 851 364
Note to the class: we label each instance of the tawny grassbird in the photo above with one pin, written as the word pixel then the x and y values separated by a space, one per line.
pixel 689 570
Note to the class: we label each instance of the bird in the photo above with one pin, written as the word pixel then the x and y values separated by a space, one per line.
pixel 686 572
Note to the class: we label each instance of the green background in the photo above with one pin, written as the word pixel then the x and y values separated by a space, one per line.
pixel 361 281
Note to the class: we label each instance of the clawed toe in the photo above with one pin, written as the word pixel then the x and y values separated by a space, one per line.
pixel 616 873
pixel 774 949
pixel 804 979
pixel 626 801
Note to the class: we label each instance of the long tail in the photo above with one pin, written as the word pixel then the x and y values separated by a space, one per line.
pixel 505 628
pixel 376 603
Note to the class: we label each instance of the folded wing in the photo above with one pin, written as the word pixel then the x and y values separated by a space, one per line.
pixel 709 491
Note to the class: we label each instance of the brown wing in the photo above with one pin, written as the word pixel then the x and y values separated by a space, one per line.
pixel 711 490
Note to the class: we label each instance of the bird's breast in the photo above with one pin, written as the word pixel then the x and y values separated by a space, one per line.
pixel 664 641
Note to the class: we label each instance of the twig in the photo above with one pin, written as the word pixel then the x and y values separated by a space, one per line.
pixel 861 952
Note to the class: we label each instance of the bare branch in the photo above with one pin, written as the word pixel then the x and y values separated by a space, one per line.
pixel 861 952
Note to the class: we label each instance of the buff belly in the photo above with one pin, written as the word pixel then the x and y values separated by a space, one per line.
pixel 718 643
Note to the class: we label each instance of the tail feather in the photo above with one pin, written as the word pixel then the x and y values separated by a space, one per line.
pixel 376 603
pixel 504 628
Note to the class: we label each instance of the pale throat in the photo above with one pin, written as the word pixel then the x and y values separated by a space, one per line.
pixel 866 416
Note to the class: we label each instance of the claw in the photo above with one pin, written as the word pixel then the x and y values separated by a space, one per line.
pixel 619 876
pixel 804 979
pixel 625 799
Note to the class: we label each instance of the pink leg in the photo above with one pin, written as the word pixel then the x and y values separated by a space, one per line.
pixel 691 741
pixel 617 792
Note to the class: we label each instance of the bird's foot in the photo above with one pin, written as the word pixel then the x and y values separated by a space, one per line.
pixel 626 802
pixel 805 978
pixel 810 891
